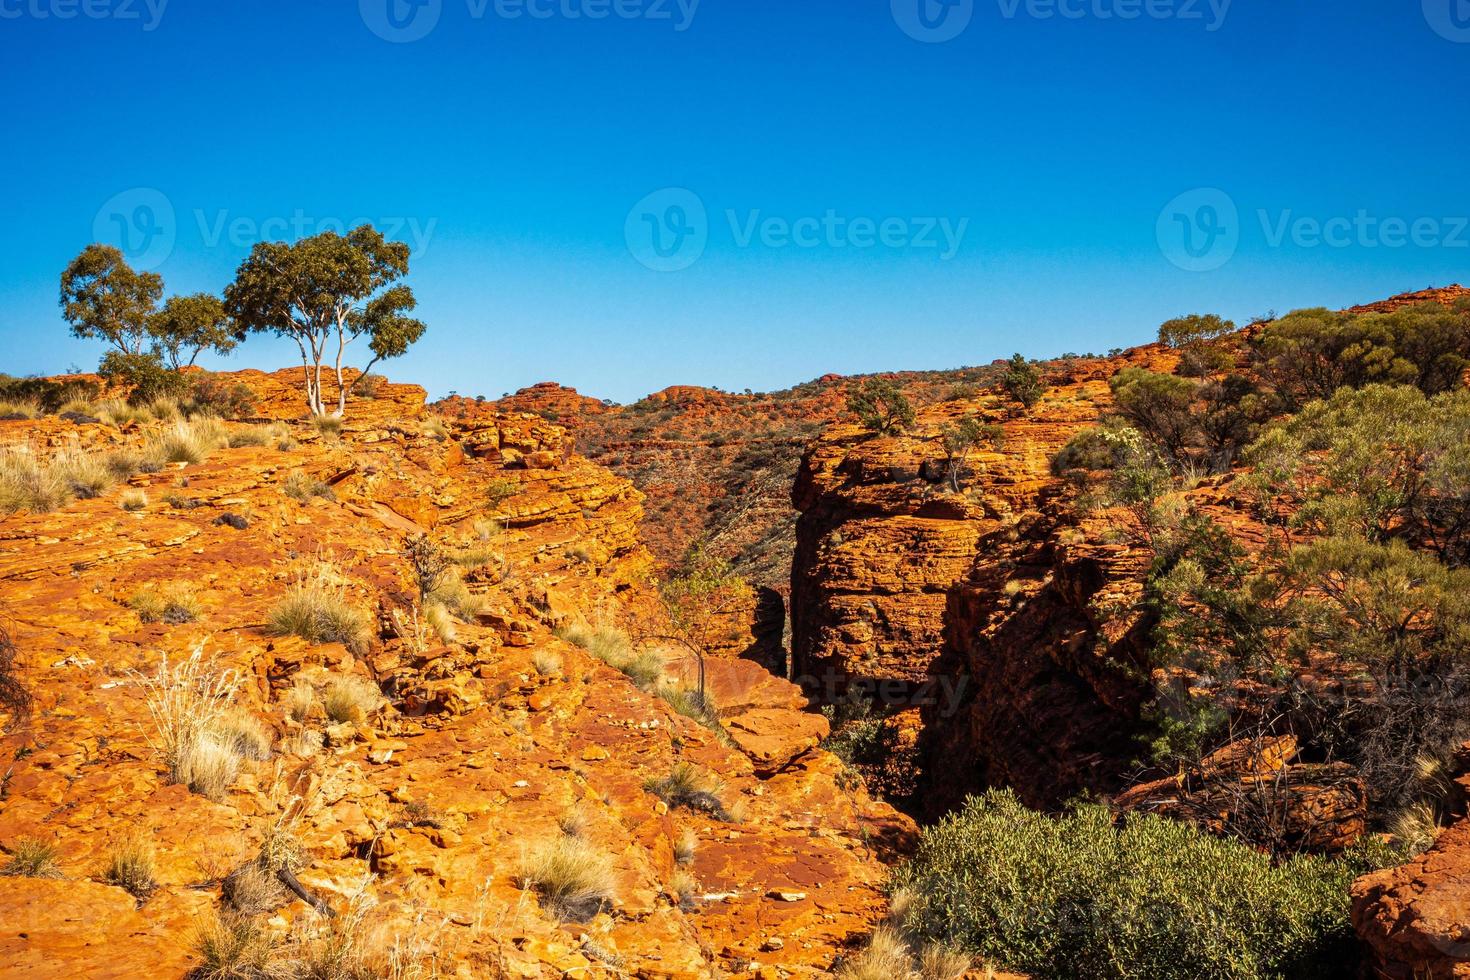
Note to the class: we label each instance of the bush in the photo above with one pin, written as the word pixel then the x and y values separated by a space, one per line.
pixel 1383 461
pixel 1310 354
pixel 316 609
pixel 1022 382
pixel 1161 406
pixel 1189 331
pixel 880 406
pixel 14 697
pixel 573 878
pixel 145 376
pixel 1078 896
pixel 211 396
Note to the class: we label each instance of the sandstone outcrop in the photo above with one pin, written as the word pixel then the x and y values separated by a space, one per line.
pixel 418 813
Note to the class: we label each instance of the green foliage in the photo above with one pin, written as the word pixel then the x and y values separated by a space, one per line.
pixel 1079 896
pixel 103 298
pixel 1102 447
pixel 324 291
pixel 700 602
pixel 46 395
pixel 1311 353
pixel 880 406
pixel 189 325
pixel 1160 406
pixel 960 440
pixel 1383 462
pixel 1185 331
pixel 1022 382
pixel 210 396
pixel 144 375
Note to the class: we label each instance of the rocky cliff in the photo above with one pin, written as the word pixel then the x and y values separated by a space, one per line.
pixel 970 610
pixel 413 815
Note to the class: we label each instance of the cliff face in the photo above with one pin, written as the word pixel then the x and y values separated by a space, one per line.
pixel 416 816
pixel 965 610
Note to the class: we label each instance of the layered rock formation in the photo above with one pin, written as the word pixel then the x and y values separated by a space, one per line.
pixel 412 820
pixel 970 608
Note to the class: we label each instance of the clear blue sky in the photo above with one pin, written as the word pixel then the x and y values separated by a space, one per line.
pixel 519 148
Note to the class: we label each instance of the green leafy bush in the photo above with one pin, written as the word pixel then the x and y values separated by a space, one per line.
pixel 880 406
pixel 1022 382
pixel 1311 353
pixel 1078 896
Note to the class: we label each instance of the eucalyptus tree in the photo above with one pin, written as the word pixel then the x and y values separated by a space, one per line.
pixel 326 293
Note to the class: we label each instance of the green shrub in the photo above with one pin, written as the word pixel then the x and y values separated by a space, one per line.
pixel 1311 353
pixel 880 406
pixel 1022 382
pixel 1079 896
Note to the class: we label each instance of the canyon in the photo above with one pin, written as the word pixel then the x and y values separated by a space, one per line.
pixel 996 626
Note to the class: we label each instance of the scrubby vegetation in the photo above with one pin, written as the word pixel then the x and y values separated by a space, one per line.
pixel 31 857
pixel 1081 896
pixel 880 405
pixel 173 603
pixel 317 609
pixel 573 877
pixel 1022 382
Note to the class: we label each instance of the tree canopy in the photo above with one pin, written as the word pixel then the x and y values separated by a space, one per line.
pixel 326 292
pixel 103 298
pixel 880 406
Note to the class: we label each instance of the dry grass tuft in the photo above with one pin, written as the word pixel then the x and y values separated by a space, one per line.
pixel 350 698
pixel 233 947
pixel 612 646
pixel 31 857
pixel 28 484
pixel 253 889
pixel 174 603
pixel 685 847
pixel 548 663
pixel 303 488
pixel 187 442
pixel 195 726
pixel 886 957
pixel 316 609
pixel 299 700
pixel 130 867
pixel 573 878
pixel 690 787
pixel 133 500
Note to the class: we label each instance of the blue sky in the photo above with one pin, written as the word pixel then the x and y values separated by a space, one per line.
pixel 835 187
